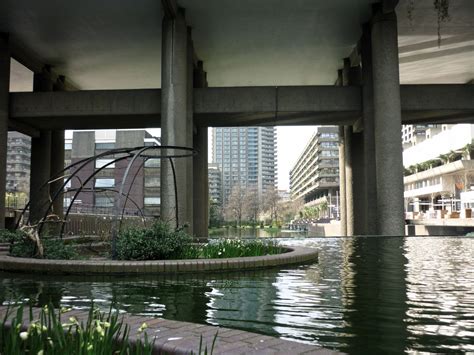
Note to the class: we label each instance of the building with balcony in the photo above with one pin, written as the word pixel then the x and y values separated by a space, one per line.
pixel 100 192
pixel 246 156
pixel 215 183
pixel 18 166
pixel 315 175
pixel 439 171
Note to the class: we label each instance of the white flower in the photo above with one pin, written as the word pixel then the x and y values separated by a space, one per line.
pixel 24 335
pixel 142 327
pixel 40 352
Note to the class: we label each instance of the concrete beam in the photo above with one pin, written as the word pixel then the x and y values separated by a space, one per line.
pixel 302 105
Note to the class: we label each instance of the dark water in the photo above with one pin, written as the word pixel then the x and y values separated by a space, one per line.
pixel 366 295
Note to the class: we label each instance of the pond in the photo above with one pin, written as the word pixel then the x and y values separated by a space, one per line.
pixel 366 295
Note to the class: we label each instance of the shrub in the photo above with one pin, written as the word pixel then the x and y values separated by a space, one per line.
pixel 155 243
pixel 7 236
pixel 23 247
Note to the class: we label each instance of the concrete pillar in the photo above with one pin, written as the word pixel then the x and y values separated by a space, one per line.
pixel 358 179
pixel 387 124
pixel 200 169
pixel 349 180
pixel 370 203
pixel 40 168
pixel 174 118
pixel 4 112
pixel 190 131
pixel 57 158
pixel 348 158
pixel 342 182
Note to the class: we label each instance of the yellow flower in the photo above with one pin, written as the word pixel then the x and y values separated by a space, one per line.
pixel 40 352
pixel 142 327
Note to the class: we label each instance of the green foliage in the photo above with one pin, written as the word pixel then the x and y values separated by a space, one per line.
pixel 100 335
pixel 23 247
pixel 233 248
pixel 8 236
pixel 157 242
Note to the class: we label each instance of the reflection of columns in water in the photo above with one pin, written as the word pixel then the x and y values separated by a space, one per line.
pixel 375 295
pixel 244 300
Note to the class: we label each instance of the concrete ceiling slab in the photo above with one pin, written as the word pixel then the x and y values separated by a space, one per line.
pixel 116 44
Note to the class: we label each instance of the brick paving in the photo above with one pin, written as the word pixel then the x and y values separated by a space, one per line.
pixel 173 337
pixel 295 255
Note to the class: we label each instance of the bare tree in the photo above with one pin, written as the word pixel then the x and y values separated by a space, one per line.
pixel 271 202
pixel 234 208
pixel 252 205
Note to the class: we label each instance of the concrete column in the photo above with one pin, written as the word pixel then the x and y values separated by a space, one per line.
pixel 174 118
pixel 358 179
pixel 190 131
pixel 346 75
pixel 342 182
pixel 349 180
pixel 387 124
pixel 4 112
pixel 200 169
pixel 370 203
pixel 40 168
pixel 57 157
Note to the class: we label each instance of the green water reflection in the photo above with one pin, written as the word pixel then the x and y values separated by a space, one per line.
pixel 366 295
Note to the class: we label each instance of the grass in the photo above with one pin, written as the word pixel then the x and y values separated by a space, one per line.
pixel 99 335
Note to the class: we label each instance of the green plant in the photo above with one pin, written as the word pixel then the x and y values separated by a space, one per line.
pixel 233 248
pixel 154 243
pixel 23 247
pixel 204 351
pixel 48 334
pixel 7 236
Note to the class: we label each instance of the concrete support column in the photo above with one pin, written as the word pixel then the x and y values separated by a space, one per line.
pixel 358 179
pixel 370 203
pixel 190 131
pixel 174 118
pixel 57 158
pixel 387 124
pixel 4 113
pixel 349 180
pixel 40 168
pixel 342 182
pixel 200 168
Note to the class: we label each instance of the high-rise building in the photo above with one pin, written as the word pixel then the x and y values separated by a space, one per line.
pixel 18 164
pixel 102 189
pixel 245 156
pixel 215 183
pixel 315 175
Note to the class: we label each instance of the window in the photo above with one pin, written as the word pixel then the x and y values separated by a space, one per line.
pixel 152 181
pixel 153 163
pixel 104 182
pixel 68 146
pixel 104 146
pixel 152 200
pixel 104 201
pixel 99 163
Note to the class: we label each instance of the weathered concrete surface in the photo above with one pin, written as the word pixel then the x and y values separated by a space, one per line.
pixel 287 105
pixel 388 124
pixel 4 113
pixel 201 185
pixel 342 182
pixel 174 112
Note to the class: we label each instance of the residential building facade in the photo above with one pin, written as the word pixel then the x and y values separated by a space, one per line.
pixel 439 170
pixel 246 156
pixel 215 183
pixel 143 182
pixel 315 176
pixel 18 168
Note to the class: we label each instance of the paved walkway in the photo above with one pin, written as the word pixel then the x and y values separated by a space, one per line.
pixel 173 337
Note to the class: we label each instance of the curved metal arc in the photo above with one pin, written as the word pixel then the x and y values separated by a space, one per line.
pixel 80 189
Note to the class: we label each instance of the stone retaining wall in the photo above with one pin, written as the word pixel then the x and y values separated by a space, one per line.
pixel 295 255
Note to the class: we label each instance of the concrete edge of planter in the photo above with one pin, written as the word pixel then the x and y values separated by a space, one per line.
pixel 295 255
pixel 176 337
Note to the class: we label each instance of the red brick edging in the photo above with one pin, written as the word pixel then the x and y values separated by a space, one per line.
pixel 295 255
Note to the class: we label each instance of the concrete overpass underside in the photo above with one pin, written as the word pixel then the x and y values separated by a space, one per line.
pixel 183 65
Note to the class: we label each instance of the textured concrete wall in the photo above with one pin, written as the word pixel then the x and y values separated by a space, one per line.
pixel 4 113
